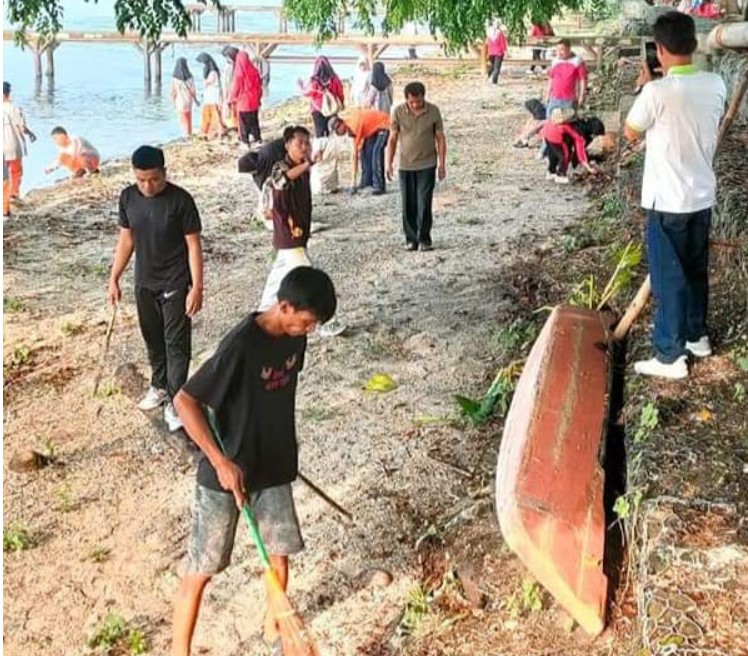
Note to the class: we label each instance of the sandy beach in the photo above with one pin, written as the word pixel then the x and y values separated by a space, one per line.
pixel 110 516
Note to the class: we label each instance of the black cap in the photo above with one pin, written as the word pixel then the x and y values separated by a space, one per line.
pixel 6 88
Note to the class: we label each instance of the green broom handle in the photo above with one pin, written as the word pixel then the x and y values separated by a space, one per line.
pixel 249 517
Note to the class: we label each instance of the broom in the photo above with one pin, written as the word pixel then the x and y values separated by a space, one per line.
pixel 105 350
pixel 294 636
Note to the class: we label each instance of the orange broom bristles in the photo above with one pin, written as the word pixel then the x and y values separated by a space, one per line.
pixel 294 636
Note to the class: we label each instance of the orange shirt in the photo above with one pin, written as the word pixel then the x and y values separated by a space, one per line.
pixel 365 123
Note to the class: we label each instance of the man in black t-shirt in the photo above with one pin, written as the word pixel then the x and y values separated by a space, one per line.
pixel 249 386
pixel 159 222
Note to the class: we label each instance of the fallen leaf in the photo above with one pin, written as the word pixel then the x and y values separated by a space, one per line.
pixel 704 415
pixel 380 383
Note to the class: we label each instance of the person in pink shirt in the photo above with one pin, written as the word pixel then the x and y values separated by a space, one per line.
pixel 563 142
pixel 497 46
pixel 245 96
pixel 567 79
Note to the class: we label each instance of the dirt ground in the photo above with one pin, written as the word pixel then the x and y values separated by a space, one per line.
pixel 109 517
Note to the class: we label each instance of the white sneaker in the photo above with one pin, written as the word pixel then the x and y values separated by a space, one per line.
pixel 550 177
pixel 561 179
pixel 675 370
pixel 153 398
pixel 173 422
pixel 331 329
pixel 701 348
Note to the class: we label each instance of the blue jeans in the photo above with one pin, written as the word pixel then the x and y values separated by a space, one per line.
pixel 372 160
pixel 679 268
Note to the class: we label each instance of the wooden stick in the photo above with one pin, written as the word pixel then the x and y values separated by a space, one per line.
pixel 107 340
pixel 321 494
pixel 640 300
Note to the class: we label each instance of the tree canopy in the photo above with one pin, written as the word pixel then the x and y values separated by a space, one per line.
pixel 460 22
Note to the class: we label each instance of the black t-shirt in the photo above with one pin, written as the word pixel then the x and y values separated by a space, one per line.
pixel 250 384
pixel 261 162
pixel 159 225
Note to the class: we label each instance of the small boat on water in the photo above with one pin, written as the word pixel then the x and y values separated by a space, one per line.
pixel 549 480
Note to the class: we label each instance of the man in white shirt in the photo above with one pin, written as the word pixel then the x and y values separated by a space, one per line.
pixel 680 116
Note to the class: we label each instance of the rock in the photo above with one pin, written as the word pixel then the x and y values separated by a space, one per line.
pixel 472 593
pixel 28 460
pixel 375 578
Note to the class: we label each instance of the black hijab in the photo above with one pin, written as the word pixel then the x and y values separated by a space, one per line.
pixel 323 71
pixel 208 63
pixel 181 70
pixel 379 79
pixel 230 52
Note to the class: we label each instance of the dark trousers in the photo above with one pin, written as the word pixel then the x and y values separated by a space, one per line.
pixel 249 125
pixel 494 69
pixel 372 160
pixel 417 192
pixel 167 331
pixel 320 125
pixel 678 250
pixel 556 163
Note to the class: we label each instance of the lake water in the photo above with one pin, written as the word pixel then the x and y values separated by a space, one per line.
pixel 98 90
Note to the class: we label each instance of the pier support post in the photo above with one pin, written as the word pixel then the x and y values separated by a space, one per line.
pixel 158 48
pixel 37 55
pixel 145 47
pixel 50 51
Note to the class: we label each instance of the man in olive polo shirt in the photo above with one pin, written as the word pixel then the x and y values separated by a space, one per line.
pixel 417 124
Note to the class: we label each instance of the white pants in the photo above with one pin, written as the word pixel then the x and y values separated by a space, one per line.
pixel 285 260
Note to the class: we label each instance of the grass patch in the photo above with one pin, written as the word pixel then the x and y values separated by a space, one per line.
pixel 19 356
pixel 70 328
pixel 517 337
pixel 98 555
pixel 13 304
pixel 107 390
pixel 65 500
pixel 530 599
pixel 115 635
pixel 498 396
pixel 17 537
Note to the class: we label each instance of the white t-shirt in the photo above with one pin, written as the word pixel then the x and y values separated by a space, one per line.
pixel 680 114
pixel 14 123
pixel 212 93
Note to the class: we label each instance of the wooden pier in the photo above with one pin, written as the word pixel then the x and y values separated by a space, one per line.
pixel 266 46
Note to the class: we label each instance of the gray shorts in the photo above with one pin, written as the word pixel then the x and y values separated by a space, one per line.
pixel 214 519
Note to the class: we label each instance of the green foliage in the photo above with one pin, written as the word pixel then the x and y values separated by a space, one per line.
pixel 529 600
pixel 648 422
pixel 739 356
pixel 739 392
pixel 19 356
pixel 499 395
pixel 98 555
pixel 17 537
pixel 115 635
pixel 149 18
pixel 416 609
pixel 461 22
pixel 517 336
pixel 599 9
pixel 12 304
pixel 65 500
pixel 107 390
pixel 627 505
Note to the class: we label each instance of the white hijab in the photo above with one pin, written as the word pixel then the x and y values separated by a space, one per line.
pixel 360 83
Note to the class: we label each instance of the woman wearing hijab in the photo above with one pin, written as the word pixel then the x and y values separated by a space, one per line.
pixel 227 79
pixel 183 94
pixel 380 89
pixel 212 123
pixel 360 83
pixel 246 96
pixel 323 80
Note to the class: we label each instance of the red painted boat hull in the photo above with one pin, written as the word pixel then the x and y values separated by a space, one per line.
pixel 549 482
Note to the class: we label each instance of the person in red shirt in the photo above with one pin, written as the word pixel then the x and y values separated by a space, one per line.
pixel 497 46
pixel 708 9
pixel 540 29
pixel 246 97
pixel 323 79
pixel 563 143
pixel 370 130
pixel 567 79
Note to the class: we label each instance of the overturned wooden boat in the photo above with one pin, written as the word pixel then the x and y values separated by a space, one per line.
pixel 549 480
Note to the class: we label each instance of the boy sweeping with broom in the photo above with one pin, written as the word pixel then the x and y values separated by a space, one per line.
pixel 249 386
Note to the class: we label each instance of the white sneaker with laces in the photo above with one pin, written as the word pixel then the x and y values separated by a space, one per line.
pixel 173 422
pixel 675 370
pixel 550 177
pixel 701 348
pixel 153 398
pixel 562 179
